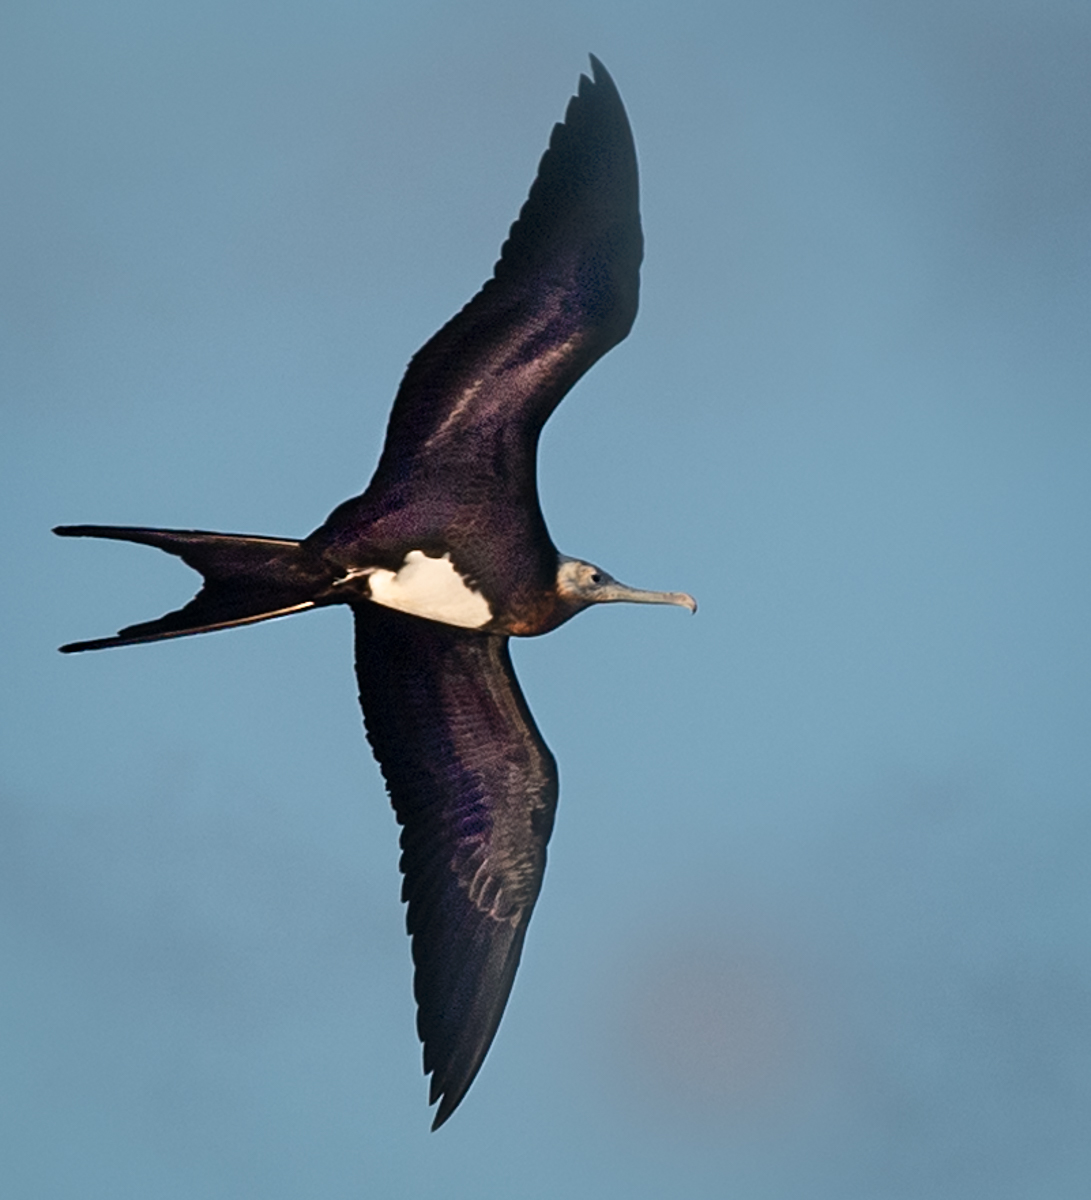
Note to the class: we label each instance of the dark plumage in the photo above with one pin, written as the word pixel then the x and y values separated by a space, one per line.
pixel 446 555
pixel 475 790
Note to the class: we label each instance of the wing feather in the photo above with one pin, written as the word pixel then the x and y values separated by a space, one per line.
pixel 475 789
pixel 564 291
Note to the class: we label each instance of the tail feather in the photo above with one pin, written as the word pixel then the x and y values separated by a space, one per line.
pixel 246 579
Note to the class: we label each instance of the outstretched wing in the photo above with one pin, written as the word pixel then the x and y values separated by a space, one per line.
pixel 475 790
pixel 564 292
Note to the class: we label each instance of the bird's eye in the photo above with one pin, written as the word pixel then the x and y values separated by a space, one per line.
pixel 596 577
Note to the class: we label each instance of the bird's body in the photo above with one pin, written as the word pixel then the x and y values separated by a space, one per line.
pixel 443 558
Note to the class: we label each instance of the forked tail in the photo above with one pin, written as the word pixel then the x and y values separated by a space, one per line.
pixel 246 579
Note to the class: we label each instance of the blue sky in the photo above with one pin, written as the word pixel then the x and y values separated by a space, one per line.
pixel 815 921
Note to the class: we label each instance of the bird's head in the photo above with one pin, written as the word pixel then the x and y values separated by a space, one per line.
pixel 580 584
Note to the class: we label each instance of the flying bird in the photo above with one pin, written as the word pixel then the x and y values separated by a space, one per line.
pixel 445 557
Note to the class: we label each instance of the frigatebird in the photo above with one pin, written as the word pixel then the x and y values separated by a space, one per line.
pixel 446 556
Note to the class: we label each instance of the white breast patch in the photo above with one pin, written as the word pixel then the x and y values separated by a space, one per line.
pixel 432 588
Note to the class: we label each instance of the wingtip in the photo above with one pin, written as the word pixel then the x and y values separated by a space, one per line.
pixel 599 76
pixel 450 1095
pixel 442 1113
pixel 451 1098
